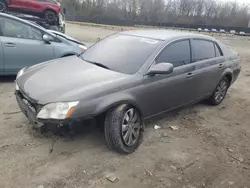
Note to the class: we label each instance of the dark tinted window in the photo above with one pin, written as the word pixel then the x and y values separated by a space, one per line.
pixel 202 50
pixel 121 53
pixel 177 53
pixel 217 51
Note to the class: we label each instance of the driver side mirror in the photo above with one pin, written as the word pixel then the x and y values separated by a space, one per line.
pixel 46 39
pixel 161 68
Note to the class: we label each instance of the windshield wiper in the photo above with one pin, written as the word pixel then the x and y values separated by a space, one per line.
pixel 97 64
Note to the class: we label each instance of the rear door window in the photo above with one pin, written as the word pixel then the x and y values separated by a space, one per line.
pixel 177 53
pixel 202 50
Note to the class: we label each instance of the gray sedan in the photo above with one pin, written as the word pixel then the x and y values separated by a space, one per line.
pixel 126 78
pixel 23 43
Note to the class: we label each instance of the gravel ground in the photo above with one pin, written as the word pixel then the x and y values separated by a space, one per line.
pixel 211 147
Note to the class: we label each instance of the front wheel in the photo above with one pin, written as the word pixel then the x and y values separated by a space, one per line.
pixel 3 6
pixel 50 16
pixel 220 92
pixel 123 129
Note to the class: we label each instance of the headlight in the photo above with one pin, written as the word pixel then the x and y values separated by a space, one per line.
pixel 17 87
pixel 20 73
pixel 84 48
pixel 61 110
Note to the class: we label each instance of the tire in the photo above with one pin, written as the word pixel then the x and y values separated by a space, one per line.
pixel 3 6
pixel 121 133
pixel 220 92
pixel 50 16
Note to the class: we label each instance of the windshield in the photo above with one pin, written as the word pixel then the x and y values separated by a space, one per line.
pixel 121 53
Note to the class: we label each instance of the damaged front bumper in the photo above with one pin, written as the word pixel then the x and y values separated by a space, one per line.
pixel 31 109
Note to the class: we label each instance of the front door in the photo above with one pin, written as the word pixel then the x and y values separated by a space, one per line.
pixel 165 92
pixel 22 45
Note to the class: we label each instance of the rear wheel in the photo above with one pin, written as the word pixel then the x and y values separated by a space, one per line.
pixel 3 6
pixel 123 129
pixel 220 92
pixel 50 16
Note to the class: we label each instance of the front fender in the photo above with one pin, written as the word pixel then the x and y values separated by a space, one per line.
pixel 97 106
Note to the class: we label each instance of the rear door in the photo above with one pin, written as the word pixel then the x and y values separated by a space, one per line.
pixel 22 45
pixel 209 62
pixel 164 92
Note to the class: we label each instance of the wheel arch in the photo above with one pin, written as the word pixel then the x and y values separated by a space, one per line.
pixel 228 73
pixel 105 108
pixel 49 9
pixel 229 76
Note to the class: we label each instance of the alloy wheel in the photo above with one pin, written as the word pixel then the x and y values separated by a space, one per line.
pixel 50 16
pixel 221 91
pixel 131 126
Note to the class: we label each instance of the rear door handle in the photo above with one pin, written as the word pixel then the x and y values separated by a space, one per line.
pixel 190 75
pixel 221 65
pixel 9 44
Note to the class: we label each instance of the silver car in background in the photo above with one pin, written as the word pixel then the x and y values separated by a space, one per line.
pixel 23 43
pixel 126 78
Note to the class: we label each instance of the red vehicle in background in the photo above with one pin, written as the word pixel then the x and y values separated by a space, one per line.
pixel 48 9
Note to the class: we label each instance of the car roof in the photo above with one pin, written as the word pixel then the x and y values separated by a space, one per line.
pixel 164 34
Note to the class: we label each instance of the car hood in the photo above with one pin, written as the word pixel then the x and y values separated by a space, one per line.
pixel 68 79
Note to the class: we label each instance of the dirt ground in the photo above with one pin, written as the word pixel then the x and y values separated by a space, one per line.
pixel 210 149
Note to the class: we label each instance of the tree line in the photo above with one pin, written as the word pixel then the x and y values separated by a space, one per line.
pixel 193 12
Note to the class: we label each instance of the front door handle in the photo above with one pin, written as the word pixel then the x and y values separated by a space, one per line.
pixel 9 44
pixel 221 65
pixel 190 75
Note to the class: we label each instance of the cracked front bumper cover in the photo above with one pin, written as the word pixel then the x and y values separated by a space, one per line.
pixel 31 114
pixel 30 110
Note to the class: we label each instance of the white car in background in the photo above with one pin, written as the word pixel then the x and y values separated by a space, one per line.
pixel 233 32
pixel 214 30
pixel 206 30
pixel 199 29
pixel 242 33
pixel 222 31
